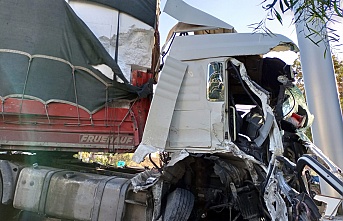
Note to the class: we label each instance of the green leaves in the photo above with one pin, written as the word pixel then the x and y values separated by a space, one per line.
pixel 338 67
pixel 314 13
pixel 337 9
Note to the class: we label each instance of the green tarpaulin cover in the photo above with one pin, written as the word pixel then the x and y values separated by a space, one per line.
pixel 47 52
pixel 144 10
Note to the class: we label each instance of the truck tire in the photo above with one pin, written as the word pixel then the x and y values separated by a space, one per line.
pixel 179 205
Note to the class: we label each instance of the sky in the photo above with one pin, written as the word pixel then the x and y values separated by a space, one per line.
pixel 240 14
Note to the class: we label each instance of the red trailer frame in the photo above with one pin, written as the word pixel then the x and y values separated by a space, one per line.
pixel 31 124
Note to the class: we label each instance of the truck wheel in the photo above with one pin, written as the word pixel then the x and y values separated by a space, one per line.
pixel 179 205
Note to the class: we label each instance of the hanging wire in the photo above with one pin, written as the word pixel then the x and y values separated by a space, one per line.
pixel 108 123
pixel 75 93
pixel 117 39
pixel 164 53
pixel 47 113
pixel 106 108
pixel 3 109
pixel 153 163
pixel 24 88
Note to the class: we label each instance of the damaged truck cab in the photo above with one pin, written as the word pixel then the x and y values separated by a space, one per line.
pixel 199 87
pixel 234 125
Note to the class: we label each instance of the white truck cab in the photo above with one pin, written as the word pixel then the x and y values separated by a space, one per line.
pixel 191 108
pixel 217 159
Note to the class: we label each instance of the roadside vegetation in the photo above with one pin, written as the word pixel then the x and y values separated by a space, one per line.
pixel 338 68
pixel 318 18
pixel 114 159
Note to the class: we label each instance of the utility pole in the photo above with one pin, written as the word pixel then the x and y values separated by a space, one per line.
pixel 321 92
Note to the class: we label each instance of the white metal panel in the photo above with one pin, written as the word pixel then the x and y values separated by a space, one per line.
pixel 192 94
pixel 228 44
pixel 190 129
pixel 217 124
pixel 197 122
pixel 185 13
pixel 162 108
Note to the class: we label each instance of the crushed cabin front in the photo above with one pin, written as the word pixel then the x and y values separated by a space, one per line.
pixel 234 125
pixel 61 92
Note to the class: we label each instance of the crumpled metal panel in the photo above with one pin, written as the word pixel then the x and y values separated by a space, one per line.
pixel 162 109
pixel 145 180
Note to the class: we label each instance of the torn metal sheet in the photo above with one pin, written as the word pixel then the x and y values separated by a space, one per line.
pixel 276 145
pixel 162 109
pixel 144 180
pixel 274 202
pixel 177 156
pixel 191 15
